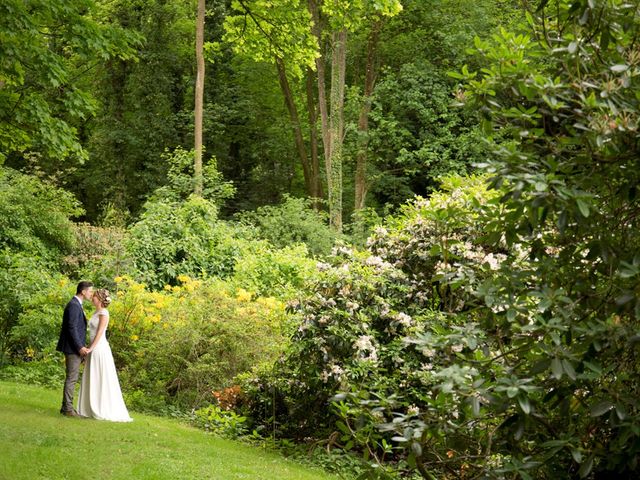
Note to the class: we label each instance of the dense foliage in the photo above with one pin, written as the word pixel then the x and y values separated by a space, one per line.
pixel 486 329
pixel 45 47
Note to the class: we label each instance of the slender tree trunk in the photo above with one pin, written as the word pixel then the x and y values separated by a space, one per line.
pixel 363 120
pixel 336 126
pixel 295 124
pixel 332 115
pixel 322 90
pixel 313 140
pixel 199 93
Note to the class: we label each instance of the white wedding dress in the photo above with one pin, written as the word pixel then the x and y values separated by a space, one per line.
pixel 100 396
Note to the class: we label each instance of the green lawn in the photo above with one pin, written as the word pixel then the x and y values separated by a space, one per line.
pixel 36 442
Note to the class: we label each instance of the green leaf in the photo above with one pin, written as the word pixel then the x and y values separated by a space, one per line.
pixel 621 412
pixel 601 408
pixel 593 366
pixel 583 207
pixel 577 455
pixel 556 368
pixel 585 468
pixel 475 405
pixel 525 405
pixel 619 68
pixel 569 370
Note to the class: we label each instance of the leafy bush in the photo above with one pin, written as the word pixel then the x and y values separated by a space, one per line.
pixel 34 216
pixel 26 290
pixel 452 352
pixel 35 334
pixel 268 271
pixel 98 255
pixel 173 239
pixel 293 221
pixel 224 423
pixel 180 179
pixel 35 233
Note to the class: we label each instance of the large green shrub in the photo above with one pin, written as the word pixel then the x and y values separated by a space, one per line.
pixel 534 372
pixel 187 238
pixel 181 238
pixel 293 221
pixel 354 325
pixel 456 350
pixel 34 216
pixel 35 234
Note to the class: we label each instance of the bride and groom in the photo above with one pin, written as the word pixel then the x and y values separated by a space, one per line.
pixel 100 396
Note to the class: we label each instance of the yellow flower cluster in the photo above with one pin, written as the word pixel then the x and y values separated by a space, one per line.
pixel 137 311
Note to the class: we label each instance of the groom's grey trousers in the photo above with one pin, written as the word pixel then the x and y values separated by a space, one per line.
pixel 72 362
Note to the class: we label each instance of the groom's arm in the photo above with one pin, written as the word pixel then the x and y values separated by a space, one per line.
pixel 77 329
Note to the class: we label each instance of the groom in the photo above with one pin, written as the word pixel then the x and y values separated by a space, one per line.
pixel 73 336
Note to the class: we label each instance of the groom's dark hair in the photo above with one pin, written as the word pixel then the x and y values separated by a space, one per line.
pixel 83 286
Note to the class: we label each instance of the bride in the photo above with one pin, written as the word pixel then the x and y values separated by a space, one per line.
pixel 100 396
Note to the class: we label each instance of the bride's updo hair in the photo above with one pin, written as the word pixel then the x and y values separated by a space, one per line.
pixel 103 296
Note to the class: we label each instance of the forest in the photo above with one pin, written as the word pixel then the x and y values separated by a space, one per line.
pixel 392 238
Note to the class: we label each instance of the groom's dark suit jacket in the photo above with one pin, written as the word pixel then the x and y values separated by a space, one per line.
pixel 73 334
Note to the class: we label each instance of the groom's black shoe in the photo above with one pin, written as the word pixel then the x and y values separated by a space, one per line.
pixel 70 413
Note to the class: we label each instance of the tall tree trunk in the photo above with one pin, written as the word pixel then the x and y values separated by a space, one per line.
pixel 313 140
pixel 295 124
pixel 199 93
pixel 363 120
pixel 336 126
pixel 322 89
pixel 331 116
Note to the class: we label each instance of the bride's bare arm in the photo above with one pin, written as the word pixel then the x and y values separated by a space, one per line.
pixel 102 326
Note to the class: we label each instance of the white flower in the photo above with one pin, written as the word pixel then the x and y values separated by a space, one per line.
pixel 403 319
pixel 457 348
pixel 428 352
pixel 363 343
pixel 323 266
pixel 352 306
pixel 413 410
pixel 427 366
pixel 374 260
pixel 494 261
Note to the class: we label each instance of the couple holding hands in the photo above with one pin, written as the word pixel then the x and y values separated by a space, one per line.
pixel 100 396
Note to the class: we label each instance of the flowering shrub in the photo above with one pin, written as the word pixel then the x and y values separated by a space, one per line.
pixel 183 342
pixel 455 351
pixel 354 328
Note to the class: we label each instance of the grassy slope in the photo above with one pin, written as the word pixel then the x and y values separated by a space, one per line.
pixel 36 442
